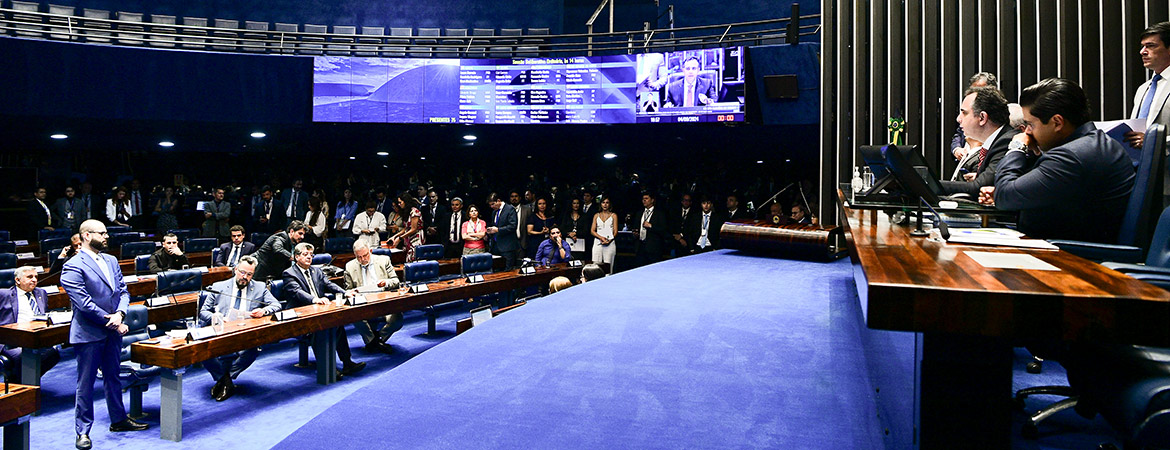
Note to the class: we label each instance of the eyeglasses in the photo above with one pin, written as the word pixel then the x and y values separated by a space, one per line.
pixel 103 233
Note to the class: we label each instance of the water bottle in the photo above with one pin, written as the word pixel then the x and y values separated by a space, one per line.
pixel 857 184
pixel 866 178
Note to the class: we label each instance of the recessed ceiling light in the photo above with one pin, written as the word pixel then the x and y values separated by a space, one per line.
pixel 609 156
pixel 166 144
pixel 469 137
pixel 760 162
pixel 352 157
pixel 422 157
pixel 258 134
pixel 59 136
pixel 383 153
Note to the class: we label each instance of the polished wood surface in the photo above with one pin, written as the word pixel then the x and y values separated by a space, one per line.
pixel 21 400
pixel 917 284
pixel 175 353
pixel 812 241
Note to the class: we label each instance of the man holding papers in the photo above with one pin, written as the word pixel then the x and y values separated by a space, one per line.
pixel 238 297
pixel 368 272
pixel 1149 102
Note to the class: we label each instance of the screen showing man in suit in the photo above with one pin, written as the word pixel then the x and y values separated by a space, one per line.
pixel 690 90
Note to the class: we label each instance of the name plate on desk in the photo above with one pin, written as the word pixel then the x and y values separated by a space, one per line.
pixel 576 263
pixel 475 279
pixel 51 289
pixel 419 288
pixel 25 255
pixel 20 243
pixel 59 317
pixel 527 270
pixel 199 334
pixel 356 300
pixel 141 234
pixel 203 269
pixel 130 278
pixel 287 314
pixel 157 301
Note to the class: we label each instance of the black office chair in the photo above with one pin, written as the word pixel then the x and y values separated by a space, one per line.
pixel 136 377
pixel 1129 386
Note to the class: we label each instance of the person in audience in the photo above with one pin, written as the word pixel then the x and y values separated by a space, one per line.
pixel 705 233
pixel 555 249
pixel 383 206
pixel 591 272
pixel 231 252
pixel 19 304
pixel 39 216
pixel 319 194
pixel 473 231
pixel 65 253
pixel 215 218
pixel 539 224
pixel 576 227
pixel 67 210
pixel 604 230
pixel 347 209
pixel 523 210
pixel 679 219
pixel 368 225
pixel 97 293
pixel 169 256
pixel 269 212
pixel 248 298
pixel 691 89
pixel 368 272
pixel 315 223
pixel 164 207
pixel 294 200
pixel 137 199
pixel 275 254
pixel 1149 101
pixel 734 212
pixel 421 198
pixel 87 201
pixel 502 229
pixel 559 284
pixel 395 222
pixel 305 285
pixel 960 143
pixel 452 226
pixel 652 229
pixel 411 235
pixel 983 116
pixel 118 208
pixel 588 209
pixel 1062 169
pixel 434 217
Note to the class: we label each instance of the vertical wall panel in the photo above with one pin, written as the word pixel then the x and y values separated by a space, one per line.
pixel 932 91
pixel 1113 48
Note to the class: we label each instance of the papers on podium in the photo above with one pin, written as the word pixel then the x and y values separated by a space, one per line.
pixel 997 236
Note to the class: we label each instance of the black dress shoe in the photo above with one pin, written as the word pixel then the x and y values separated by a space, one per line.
pixel 229 389
pixel 128 425
pixel 217 390
pixel 351 368
pixel 83 442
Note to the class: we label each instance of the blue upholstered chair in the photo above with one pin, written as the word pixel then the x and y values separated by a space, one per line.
pixel 214 255
pixel 117 239
pixel 177 281
pixel 479 263
pixel 200 245
pixel 429 252
pixel 7 278
pixel 135 377
pixel 57 233
pixel 131 250
pixel 5 236
pixel 258 238
pixel 339 245
pixel 118 229
pixel 8 260
pixel 418 273
pixel 184 233
pixel 322 259
pixel 8 247
pixel 53 242
pixel 51 256
pixel 142 264
pixel 1130 387
pixel 381 251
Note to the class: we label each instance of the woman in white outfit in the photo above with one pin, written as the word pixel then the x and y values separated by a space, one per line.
pixel 604 229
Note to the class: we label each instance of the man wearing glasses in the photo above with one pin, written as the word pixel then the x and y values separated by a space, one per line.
pixel 236 298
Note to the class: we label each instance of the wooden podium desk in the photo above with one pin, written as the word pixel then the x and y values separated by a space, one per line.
pixel 175 355
pixel 15 408
pixel 966 319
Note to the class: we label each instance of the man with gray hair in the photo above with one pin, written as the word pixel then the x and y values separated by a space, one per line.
pixel 305 285
pixel 19 304
pixel 453 230
pixel 368 272
pixel 238 297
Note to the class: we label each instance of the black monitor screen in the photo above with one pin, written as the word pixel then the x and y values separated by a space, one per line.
pixel 903 163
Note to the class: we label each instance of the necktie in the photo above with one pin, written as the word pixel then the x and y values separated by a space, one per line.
pixel 642 226
pixel 292 202
pixel 689 95
pixel 1144 112
pixel 137 205
pixel 454 228
pixel 982 155
pixel 703 233
pixel 312 288
pixel 367 280
pixel 32 303
pixel 235 254
pixel 239 299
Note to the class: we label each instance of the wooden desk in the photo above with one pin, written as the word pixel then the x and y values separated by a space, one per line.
pixel 15 408
pixel 967 318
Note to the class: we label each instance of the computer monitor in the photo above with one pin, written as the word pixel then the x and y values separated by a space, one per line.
pixel 912 173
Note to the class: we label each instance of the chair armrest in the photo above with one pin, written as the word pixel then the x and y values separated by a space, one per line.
pixel 1162 281
pixel 1100 252
pixel 1136 268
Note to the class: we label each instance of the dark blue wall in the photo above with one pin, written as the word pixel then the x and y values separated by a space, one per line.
pixel 800 60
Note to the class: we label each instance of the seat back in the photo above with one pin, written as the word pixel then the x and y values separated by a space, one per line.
pixel 117 229
pixel 51 256
pixel 381 251
pixel 1139 220
pixel 197 245
pixel 142 264
pixel 5 236
pixel 57 233
pixel 176 281
pixel 132 250
pixel 421 271
pixel 276 287
pixel 7 260
pixel 1159 254
pixel 7 278
pixel 136 320
pixel 429 252
pixel 475 264
pixel 8 247
pixel 258 238
pixel 322 259
pixel 54 242
pixel 184 233
pixel 117 239
pixel 339 245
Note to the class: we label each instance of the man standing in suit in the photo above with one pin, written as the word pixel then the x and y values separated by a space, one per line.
pixel 99 299
pixel 380 203
pixel 268 215
pixel 734 212
pixel 169 257
pixel 589 208
pixel 231 252
pixel 275 254
pixel 704 231
pixel 503 227
pixel 371 273
pixel 18 304
pixel 691 90
pixel 1062 170
pixel 681 219
pixel 307 285
pixel 295 201
pixel 138 203
pixel 1149 102
pixel 652 232
pixel 39 216
pixel 983 116
pixel 452 229
pixel 87 201
pixel 215 217
pixel 434 218
pixel 68 210
pixel 523 210
pixel 248 299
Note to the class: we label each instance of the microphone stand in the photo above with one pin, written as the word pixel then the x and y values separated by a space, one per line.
pixel 773 198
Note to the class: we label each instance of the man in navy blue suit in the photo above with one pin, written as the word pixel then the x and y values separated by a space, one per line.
pixel 230 252
pixel 295 201
pixel 99 298
pixel 20 303
pixel 503 230
pixel 306 285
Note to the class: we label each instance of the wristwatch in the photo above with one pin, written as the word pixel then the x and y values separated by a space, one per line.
pixel 1015 145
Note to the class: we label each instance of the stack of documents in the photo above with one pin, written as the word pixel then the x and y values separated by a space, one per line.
pixel 996 236
pixel 1116 129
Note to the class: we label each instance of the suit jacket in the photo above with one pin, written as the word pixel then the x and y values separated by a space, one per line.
pixel 274 255
pixel 93 297
pixel 380 264
pixel 1158 113
pixel 61 209
pixel 1088 178
pixel 985 174
pixel 505 240
pixel 225 300
pixel 225 252
pixel 296 287
pixel 741 213
pixel 88 203
pixel 444 229
pixel 276 218
pixel 218 225
pixel 674 91
pixel 38 218
pixel 9 307
pixel 161 261
pixel 695 229
pixel 302 206
pixel 439 220
pixel 656 234
pixel 522 213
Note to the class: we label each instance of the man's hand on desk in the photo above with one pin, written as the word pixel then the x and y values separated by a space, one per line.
pixel 320 301
pixel 987 195
pixel 257 313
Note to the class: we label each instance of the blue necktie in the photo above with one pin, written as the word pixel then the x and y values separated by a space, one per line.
pixel 32 302
pixel 1144 112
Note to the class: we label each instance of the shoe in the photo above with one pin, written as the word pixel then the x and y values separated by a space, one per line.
pixel 217 390
pixel 351 368
pixel 83 442
pixel 226 388
pixel 128 425
pixel 387 349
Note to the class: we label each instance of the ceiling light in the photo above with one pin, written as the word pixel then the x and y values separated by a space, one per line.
pixel 166 144
pixel 469 137
pixel 422 157
pixel 352 157
pixel 383 153
pixel 760 162
pixel 59 136
pixel 609 156
pixel 258 134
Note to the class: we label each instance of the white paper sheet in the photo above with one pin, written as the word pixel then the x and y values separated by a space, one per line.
pixel 992 260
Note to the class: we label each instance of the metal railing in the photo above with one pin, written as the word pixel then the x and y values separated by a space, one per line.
pixel 59 27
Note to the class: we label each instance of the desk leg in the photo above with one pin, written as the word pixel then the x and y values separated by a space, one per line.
pixel 325 347
pixel 171 404
pixel 16 434
pixel 964 394
pixel 30 367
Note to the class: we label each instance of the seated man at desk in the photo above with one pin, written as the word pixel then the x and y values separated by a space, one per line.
pixel 169 257
pixel 249 299
pixel 368 272
pixel 553 250
pixel 230 252
pixel 18 304
pixel 983 116
pixel 306 285
pixel 1062 170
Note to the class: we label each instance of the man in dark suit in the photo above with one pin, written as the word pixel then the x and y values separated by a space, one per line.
pixel 1063 171
pixel 983 116
pixel 216 217
pixel 295 201
pixel 734 211
pixel 230 252
pixel 653 227
pixel 502 229
pixel 382 204
pixel 523 210
pixel 238 297
pixel 99 298
pixel 275 254
pixel 691 89
pixel 269 213
pixel 68 210
pixel 168 257
pixel 680 220
pixel 589 208
pixel 39 216
pixel 703 234
pixel 435 217
pixel 20 303
pixel 452 229
pixel 89 200
pixel 306 285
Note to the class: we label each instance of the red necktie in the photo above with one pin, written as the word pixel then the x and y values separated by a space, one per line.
pixel 982 155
